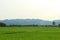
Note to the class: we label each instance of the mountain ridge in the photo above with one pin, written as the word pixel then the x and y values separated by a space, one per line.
pixel 28 22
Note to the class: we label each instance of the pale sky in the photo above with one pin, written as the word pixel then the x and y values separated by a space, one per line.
pixel 38 9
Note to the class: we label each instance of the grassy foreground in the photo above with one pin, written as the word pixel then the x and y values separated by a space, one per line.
pixel 29 33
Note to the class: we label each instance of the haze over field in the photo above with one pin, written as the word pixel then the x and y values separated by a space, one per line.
pixel 39 9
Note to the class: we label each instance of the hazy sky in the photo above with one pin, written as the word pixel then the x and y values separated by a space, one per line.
pixel 42 9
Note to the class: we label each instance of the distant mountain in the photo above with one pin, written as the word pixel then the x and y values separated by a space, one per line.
pixel 26 22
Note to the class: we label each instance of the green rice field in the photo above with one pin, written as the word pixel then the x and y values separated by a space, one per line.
pixel 29 33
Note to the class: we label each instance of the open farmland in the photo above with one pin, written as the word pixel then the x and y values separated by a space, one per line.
pixel 29 33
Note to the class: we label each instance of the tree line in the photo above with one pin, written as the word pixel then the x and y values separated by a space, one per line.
pixel 4 25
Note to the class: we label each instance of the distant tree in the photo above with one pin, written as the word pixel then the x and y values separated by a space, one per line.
pixel 2 24
pixel 59 25
pixel 53 23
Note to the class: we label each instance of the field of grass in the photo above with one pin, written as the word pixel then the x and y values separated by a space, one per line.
pixel 29 33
